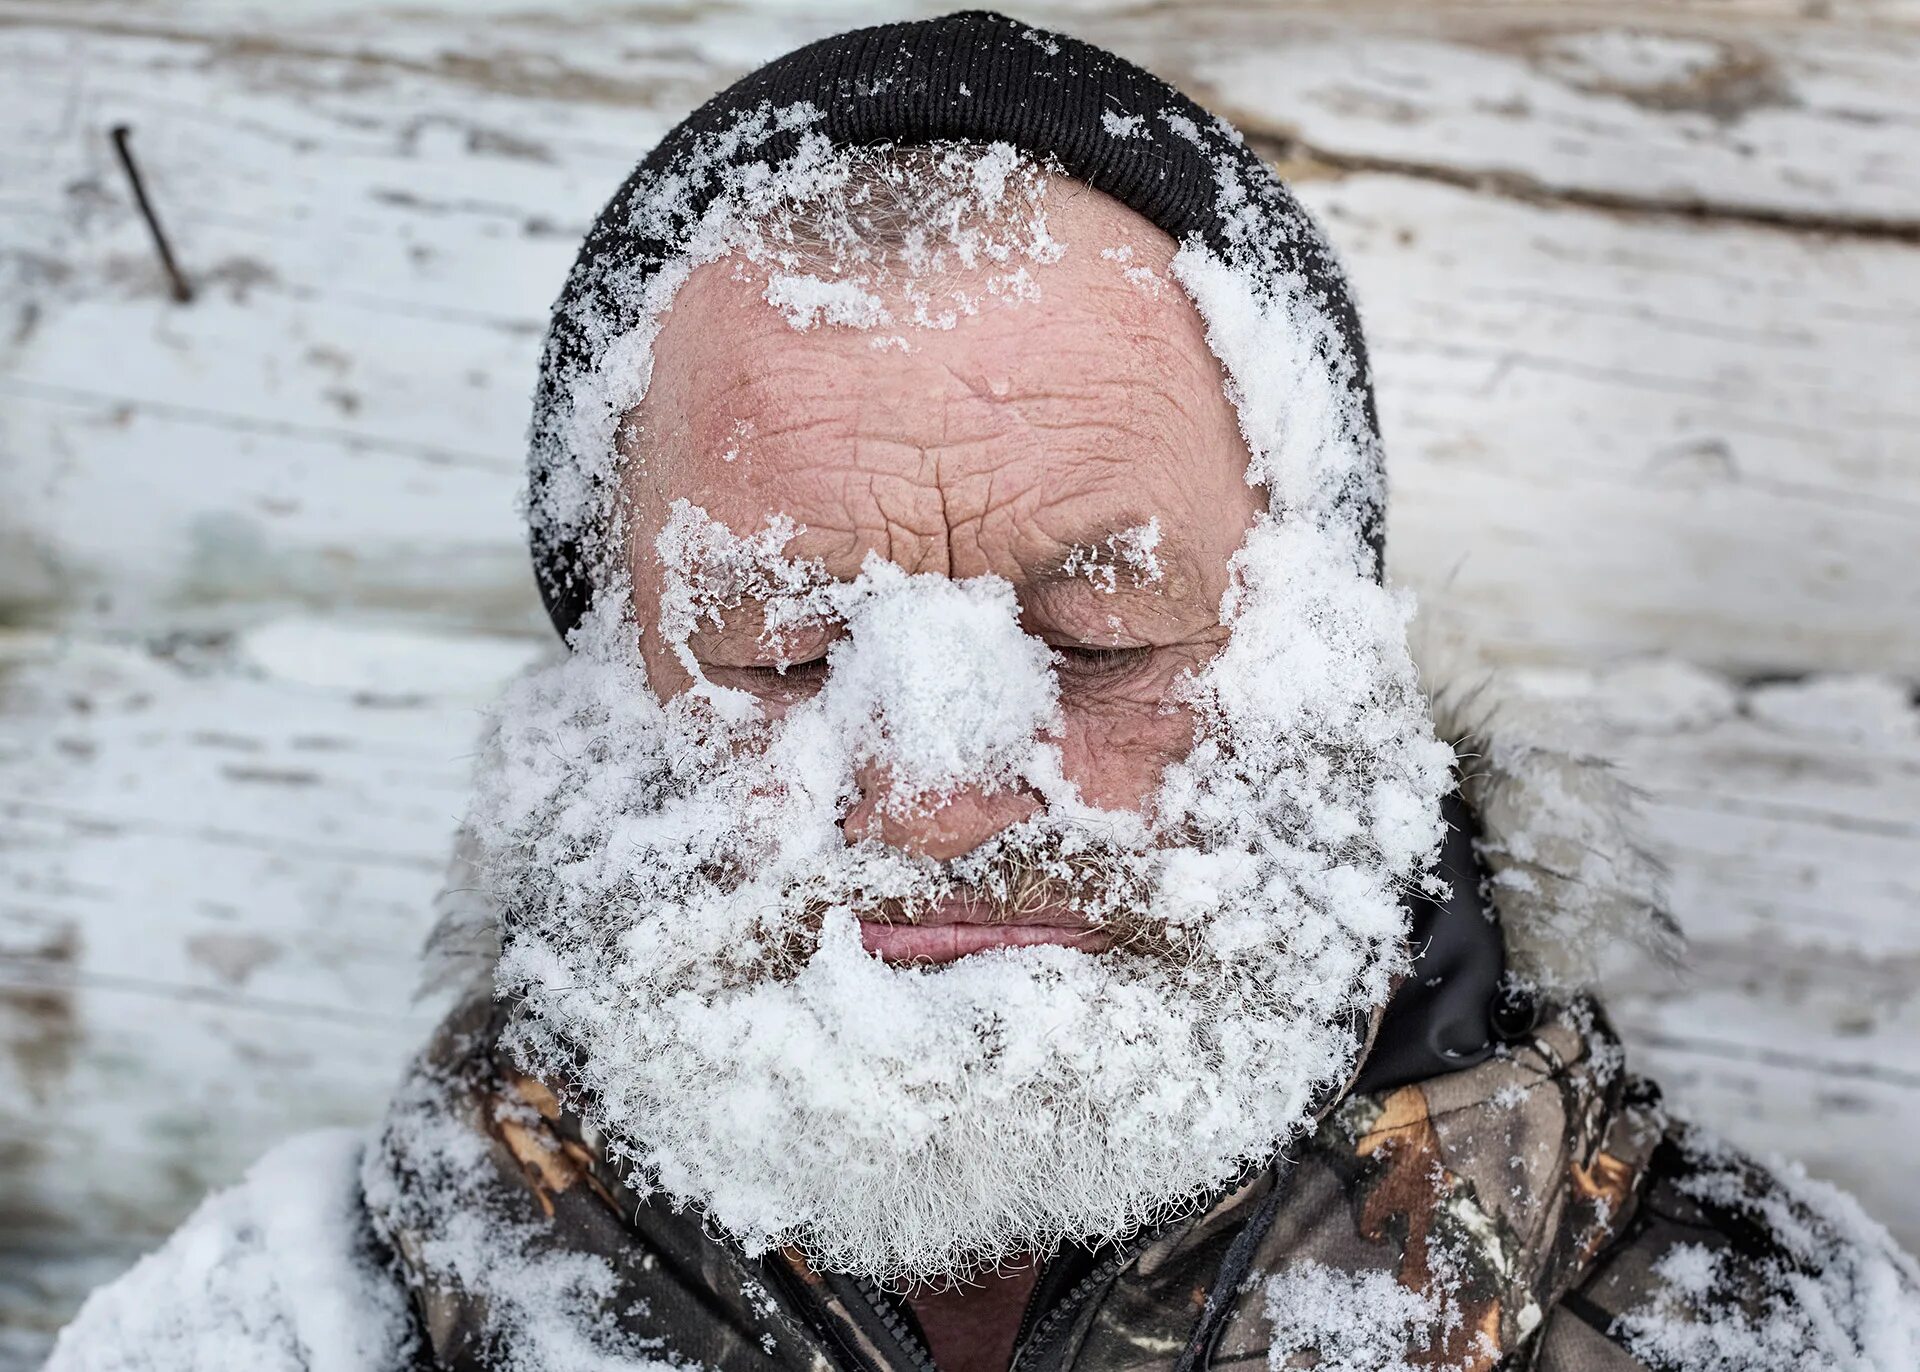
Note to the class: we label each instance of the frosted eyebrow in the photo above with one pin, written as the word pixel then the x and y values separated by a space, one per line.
pixel 1133 554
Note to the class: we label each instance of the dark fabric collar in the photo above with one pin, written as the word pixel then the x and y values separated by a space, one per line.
pixel 1448 1013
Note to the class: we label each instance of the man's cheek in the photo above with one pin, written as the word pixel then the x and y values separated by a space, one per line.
pixel 664 673
pixel 1115 754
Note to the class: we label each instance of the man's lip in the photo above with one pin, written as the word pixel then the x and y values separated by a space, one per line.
pixel 955 926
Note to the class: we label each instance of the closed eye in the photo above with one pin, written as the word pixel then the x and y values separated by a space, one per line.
pixel 814 669
pixel 772 679
pixel 1088 662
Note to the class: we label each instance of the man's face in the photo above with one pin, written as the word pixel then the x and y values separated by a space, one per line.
pixel 945 642
pixel 1033 441
pixel 1025 442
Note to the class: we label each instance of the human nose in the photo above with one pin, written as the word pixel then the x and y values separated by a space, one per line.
pixel 942 827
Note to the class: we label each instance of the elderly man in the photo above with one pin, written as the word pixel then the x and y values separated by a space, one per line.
pixel 984 887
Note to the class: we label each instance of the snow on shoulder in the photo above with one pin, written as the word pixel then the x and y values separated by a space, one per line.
pixel 276 1273
pixel 1812 1282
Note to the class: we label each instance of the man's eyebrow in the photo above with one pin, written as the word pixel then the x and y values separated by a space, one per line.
pixel 1127 544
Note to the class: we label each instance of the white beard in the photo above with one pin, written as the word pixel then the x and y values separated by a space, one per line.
pixel 680 912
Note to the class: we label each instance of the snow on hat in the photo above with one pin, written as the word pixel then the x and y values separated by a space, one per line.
pixel 976 77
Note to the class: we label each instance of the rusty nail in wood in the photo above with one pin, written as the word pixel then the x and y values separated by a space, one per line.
pixel 182 292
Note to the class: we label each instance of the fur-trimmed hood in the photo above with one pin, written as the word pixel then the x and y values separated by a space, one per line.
pixel 1572 877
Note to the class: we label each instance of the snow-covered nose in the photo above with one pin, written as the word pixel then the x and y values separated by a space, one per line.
pixel 936 684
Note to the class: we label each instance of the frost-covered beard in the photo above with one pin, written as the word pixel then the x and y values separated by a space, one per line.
pixel 681 909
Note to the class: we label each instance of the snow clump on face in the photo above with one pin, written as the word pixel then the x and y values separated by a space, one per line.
pixel 682 906
pixel 937 719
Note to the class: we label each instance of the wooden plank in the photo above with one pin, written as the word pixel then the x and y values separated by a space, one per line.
pixel 219 859
pixel 247 790
pixel 339 418
pixel 108 1141
pixel 1794 119
pixel 1609 437
pixel 134 512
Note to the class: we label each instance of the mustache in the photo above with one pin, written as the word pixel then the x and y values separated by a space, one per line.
pixel 1049 877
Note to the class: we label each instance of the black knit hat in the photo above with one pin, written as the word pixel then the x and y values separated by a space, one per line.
pixel 973 76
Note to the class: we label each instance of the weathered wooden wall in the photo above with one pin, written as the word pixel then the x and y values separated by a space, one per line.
pixel 1644 292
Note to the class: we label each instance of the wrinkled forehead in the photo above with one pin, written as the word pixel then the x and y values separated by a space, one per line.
pixel 981 419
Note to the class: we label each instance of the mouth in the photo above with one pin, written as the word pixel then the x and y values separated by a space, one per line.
pixel 956 927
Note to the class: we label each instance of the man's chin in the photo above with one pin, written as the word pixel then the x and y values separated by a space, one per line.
pixel 944 1225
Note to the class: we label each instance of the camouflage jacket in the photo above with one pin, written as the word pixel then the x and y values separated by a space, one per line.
pixel 1536 1211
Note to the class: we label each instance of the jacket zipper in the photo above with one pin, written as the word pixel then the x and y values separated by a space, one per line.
pixel 917 1355
pixel 1029 1316
pixel 1032 1343
pixel 1034 1334
pixel 1037 1335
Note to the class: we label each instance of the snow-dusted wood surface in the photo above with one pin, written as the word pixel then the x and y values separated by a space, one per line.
pixel 1644 291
